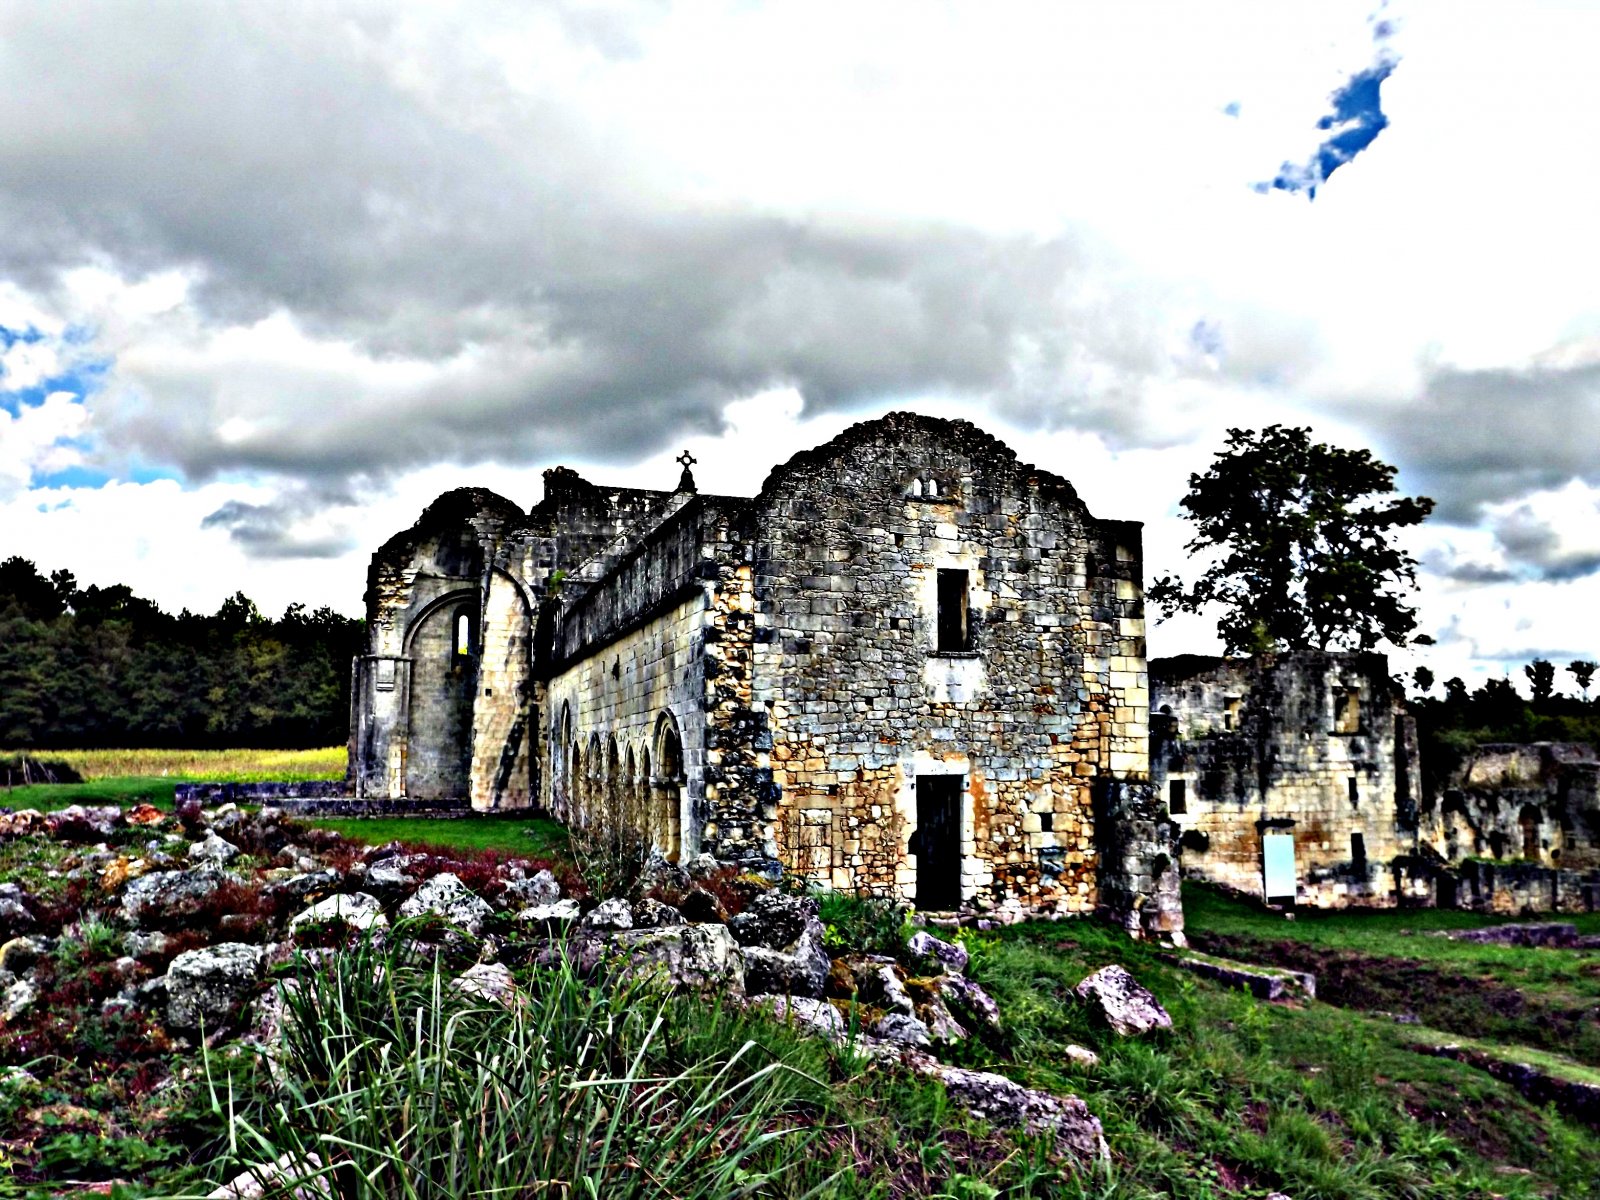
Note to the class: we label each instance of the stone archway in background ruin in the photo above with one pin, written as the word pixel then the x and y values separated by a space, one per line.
pixel 614 817
pixel 442 646
pixel 1530 819
pixel 502 742
pixel 666 789
pixel 562 751
pixel 633 810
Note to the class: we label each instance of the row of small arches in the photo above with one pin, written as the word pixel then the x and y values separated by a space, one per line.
pixel 606 784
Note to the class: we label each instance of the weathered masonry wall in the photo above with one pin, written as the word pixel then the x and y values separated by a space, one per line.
pixel 611 716
pixel 1043 705
pixel 1535 803
pixel 1309 746
pixel 912 665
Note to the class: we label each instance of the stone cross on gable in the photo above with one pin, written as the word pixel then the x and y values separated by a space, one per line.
pixel 686 480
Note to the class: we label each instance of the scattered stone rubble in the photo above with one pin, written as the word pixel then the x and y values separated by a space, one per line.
pixel 289 889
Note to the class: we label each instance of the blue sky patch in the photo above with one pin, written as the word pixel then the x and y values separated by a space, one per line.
pixel 1356 120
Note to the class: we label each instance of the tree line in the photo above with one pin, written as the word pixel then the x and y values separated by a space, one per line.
pixel 96 667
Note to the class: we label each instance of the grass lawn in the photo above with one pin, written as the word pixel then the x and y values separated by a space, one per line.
pixel 46 797
pixel 1245 1097
pixel 129 777
pixel 1395 961
pixel 512 833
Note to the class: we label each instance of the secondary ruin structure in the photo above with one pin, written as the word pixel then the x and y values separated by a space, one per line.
pixel 912 665
pixel 1294 777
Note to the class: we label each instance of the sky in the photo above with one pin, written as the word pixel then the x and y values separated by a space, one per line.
pixel 275 275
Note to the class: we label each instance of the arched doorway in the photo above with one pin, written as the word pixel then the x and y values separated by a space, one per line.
pixel 1530 819
pixel 442 646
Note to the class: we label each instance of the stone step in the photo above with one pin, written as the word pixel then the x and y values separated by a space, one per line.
pixel 1264 983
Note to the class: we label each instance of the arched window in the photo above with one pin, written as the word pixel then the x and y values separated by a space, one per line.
pixel 462 641
pixel 594 782
pixel 666 791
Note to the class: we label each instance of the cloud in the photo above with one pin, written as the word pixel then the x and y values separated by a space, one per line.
pixel 1477 437
pixel 296 523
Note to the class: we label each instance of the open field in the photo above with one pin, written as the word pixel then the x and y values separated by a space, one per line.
pixel 149 776
pixel 214 766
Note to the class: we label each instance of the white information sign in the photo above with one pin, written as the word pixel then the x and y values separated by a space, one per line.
pixel 1277 863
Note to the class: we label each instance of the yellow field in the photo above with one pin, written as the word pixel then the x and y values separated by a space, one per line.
pixel 212 766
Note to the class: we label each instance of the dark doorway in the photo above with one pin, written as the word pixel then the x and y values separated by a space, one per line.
pixel 937 843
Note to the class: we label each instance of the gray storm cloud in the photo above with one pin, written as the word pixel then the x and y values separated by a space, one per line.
pixel 297 163
pixel 1477 437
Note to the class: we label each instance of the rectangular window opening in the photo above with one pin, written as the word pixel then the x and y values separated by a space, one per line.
pixel 954 633
pixel 1358 852
pixel 1347 711
pixel 1178 796
pixel 1047 822
pixel 1355 792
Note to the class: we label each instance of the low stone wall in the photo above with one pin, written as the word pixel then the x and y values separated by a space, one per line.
pixel 1508 888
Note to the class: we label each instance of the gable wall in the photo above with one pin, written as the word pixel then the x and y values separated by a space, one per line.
pixel 1049 705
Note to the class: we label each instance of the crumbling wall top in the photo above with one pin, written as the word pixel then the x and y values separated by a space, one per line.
pixel 901 427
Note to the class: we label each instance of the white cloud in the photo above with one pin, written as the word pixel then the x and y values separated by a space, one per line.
pixel 342 260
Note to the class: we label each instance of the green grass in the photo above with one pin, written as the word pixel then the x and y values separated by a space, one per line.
pixel 511 833
pixel 128 777
pixel 47 797
pixel 1244 1096
pixel 1396 961
pixel 1557 1066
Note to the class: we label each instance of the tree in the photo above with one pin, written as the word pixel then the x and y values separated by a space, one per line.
pixel 1582 670
pixel 1424 678
pixel 1541 673
pixel 1304 550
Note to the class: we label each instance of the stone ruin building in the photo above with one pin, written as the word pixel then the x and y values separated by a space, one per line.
pixel 1520 826
pixel 1292 777
pixel 912 665
pixel 1537 803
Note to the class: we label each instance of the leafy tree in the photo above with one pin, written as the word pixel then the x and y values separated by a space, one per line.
pixel 1541 675
pixel 1305 549
pixel 101 666
pixel 1582 670
pixel 1424 678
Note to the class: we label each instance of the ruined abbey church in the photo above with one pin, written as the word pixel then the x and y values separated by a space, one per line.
pixel 912 665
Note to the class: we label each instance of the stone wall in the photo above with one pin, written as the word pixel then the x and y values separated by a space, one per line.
pixel 1045 701
pixel 632 693
pixel 909 602
pixel 1309 745
pixel 1509 889
pixel 1536 803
